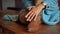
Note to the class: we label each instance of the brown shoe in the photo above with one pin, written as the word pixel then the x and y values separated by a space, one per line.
pixel 34 25
pixel 22 18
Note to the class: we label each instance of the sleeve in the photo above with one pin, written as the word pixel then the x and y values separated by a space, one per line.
pixel 50 15
pixel 27 3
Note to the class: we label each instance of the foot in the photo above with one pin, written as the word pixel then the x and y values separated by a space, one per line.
pixel 34 25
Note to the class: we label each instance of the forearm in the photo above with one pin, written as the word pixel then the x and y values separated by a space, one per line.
pixel 38 2
pixel 27 3
pixel 40 6
pixel 50 14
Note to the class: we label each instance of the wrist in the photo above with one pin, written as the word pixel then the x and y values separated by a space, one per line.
pixel 41 6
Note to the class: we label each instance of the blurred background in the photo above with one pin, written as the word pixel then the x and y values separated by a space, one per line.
pixel 4 4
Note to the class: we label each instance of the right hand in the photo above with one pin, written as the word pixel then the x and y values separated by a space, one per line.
pixel 30 7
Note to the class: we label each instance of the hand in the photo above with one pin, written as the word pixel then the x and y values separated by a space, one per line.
pixel 35 11
pixel 30 7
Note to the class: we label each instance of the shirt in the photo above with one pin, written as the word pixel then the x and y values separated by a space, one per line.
pixel 49 15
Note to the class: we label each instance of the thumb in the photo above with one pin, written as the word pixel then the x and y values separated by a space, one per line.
pixel 30 7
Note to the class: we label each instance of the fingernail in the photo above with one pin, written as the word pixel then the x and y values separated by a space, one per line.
pixel 25 16
pixel 27 19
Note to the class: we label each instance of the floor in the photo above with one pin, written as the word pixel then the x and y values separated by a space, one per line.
pixel 9 27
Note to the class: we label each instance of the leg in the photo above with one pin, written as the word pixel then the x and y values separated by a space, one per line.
pixel 34 25
pixel 22 18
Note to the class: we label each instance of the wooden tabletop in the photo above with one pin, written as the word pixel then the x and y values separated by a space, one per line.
pixel 20 29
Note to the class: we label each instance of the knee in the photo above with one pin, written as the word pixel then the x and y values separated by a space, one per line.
pixel 51 23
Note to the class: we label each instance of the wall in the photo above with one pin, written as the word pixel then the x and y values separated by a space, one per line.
pixel 18 4
pixel 59 3
pixel 8 3
pixel 13 3
pixel 0 4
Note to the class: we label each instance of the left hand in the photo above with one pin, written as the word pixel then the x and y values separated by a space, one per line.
pixel 34 13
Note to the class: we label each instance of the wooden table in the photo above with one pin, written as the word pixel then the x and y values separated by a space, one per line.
pixel 20 29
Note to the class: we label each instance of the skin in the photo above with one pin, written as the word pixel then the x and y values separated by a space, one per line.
pixel 34 12
pixel 38 2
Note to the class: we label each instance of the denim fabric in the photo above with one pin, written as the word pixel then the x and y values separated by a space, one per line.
pixel 28 2
pixel 50 15
pixel 59 16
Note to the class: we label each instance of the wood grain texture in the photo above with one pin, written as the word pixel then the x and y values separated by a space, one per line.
pixel 20 29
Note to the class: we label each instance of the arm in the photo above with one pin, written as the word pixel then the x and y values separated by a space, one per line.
pixel 31 3
pixel 38 2
pixel 50 15
pixel 27 3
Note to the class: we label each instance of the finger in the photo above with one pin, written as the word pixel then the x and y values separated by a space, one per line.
pixel 35 17
pixel 29 8
pixel 30 16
